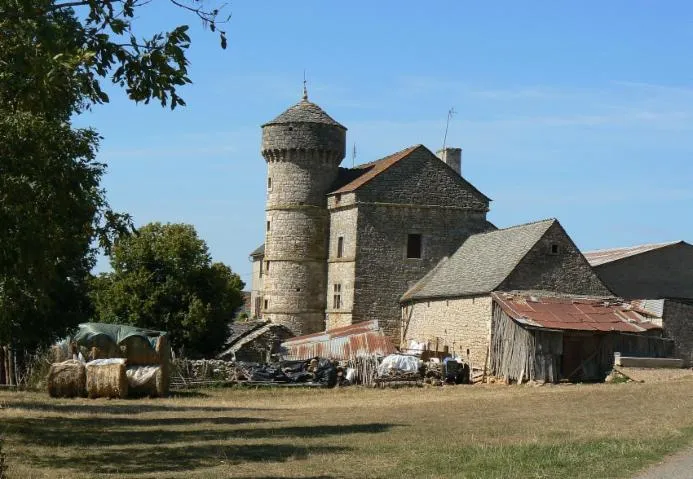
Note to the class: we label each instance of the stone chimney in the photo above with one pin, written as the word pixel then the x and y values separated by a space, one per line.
pixel 451 157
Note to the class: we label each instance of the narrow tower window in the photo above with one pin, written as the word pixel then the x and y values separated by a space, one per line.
pixel 266 267
pixel 414 246
pixel 340 246
pixel 266 304
pixel 337 297
pixel 269 183
pixel 268 226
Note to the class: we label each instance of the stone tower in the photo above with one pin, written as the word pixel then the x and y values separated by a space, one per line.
pixel 303 148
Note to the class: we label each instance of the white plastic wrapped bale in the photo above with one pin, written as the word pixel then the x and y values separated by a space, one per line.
pixel 145 381
pixel 399 364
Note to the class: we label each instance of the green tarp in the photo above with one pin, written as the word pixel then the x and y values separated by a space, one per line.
pixel 102 335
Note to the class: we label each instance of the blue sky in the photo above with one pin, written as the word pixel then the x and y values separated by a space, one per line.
pixel 577 110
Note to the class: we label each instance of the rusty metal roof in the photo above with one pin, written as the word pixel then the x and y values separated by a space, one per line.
pixel 601 256
pixel 347 342
pixel 576 313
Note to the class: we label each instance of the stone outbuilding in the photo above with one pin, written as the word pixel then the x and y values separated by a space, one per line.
pixel 658 277
pixel 450 309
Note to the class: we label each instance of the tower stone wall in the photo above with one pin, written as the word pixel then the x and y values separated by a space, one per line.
pixel 303 148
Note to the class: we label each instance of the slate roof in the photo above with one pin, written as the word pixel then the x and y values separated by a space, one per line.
pixel 259 251
pixel 304 112
pixel 481 264
pixel 602 256
pixel 574 313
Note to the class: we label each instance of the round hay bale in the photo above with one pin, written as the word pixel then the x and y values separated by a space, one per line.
pixel 67 379
pixel 107 378
pixel 146 381
pixel 163 351
pixel 139 351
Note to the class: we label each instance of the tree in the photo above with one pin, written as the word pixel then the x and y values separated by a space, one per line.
pixel 163 278
pixel 53 214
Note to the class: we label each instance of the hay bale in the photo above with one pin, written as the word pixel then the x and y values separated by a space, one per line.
pixel 138 351
pixel 146 381
pixel 163 351
pixel 107 378
pixel 67 379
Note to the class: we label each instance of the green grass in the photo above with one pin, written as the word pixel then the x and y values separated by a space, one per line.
pixel 581 431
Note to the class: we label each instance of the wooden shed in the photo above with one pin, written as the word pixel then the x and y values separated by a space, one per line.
pixel 549 338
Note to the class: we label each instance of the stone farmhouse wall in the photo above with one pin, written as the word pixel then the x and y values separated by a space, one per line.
pixel 678 325
pixel 383 271
pixel 565 271
pixel 342 270
pixel 461 325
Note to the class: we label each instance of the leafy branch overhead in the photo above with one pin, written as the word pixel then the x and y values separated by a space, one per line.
pixel 104 45
pixel 54 216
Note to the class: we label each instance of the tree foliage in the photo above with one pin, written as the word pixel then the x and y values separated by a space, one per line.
pixel 54 56
pixel 163 278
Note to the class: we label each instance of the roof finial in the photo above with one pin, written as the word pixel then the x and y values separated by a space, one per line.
pixel 305 88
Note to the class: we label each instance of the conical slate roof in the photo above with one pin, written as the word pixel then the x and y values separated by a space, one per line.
pixel 304 112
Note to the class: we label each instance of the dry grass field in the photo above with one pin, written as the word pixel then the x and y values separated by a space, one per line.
pixel 571 431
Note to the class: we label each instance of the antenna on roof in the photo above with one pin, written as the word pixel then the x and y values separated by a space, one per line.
pixel 305 87
pixel 353 155
pixel 451 112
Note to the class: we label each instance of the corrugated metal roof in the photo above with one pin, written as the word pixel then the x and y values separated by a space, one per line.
pixel 601 256
pixel 575 313
pixel 653 306
pixel 343 343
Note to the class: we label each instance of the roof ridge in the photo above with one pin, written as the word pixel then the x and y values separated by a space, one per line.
pixel 371 163
pixel 522 225
pixel 620 248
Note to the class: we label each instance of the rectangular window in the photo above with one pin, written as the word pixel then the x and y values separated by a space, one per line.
pixel 340 246
pixel 268 225
pixel 266 267
pixel 554 249
pixel 337 297
pixel 266 304
pixel 414 246
pixel 269 183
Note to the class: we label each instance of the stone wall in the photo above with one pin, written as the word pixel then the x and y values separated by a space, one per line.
pixel 678 325
pixel 422 178
pixel 383 272
pixel 256 288
pixel 460 324
pixel 343 223
pixel 662 273
pixel 565 270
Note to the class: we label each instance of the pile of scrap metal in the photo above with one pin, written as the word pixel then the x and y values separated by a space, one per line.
pixel 316 372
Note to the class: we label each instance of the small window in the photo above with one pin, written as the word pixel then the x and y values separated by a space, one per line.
pixel 337 297
pixel 269 183
pixel 266 267
pixel 266 304
pixel 340 246
pixel 554 248
pixel 414 246
pixel 337 198
pixel 268 226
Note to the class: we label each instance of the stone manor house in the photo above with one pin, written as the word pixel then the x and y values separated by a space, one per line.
pixel 394 240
